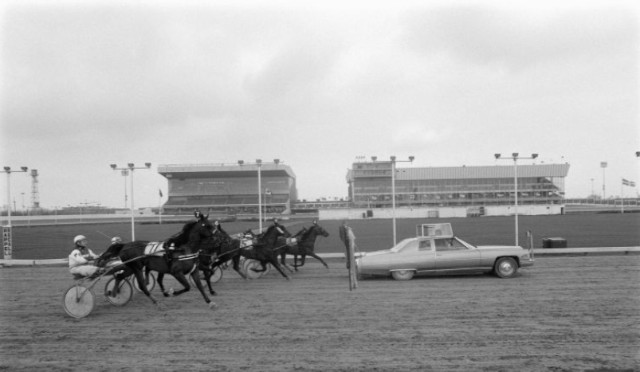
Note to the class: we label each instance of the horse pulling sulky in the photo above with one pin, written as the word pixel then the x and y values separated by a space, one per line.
pixel 178 256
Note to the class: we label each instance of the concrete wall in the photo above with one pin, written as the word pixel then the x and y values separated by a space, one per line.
pixel 441 212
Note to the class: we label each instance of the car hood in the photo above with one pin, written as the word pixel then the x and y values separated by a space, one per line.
pixel 374 253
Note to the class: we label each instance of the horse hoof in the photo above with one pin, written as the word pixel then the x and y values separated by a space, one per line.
pixel 165 294
pixel 213 306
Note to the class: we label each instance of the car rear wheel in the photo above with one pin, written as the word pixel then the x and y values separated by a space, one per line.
pixel 402 274
pixel 505 267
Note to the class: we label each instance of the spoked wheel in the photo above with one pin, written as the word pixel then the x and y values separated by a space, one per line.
pixel 151 284
pixel 254 264
pixel 215 277
pixel 120 297
pixel 78 301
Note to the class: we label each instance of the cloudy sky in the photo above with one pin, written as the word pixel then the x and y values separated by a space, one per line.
pixel 86 84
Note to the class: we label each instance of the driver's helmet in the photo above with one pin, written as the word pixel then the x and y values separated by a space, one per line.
pixel 116 239
pixel 78 239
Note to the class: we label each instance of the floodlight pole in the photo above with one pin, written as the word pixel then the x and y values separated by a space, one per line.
pixel 7 241
pixel 130 168
pixel 393 191
pixel 258 163
pixel 515 158
pixel 603 165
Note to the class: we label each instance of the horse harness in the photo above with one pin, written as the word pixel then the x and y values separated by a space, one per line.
pixel 158 249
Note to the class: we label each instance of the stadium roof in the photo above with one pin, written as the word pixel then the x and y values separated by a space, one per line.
pixel 224 170
pixel 495 171
pixel 478 172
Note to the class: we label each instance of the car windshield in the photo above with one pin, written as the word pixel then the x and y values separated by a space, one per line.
pixel 462 242
pixel 403 243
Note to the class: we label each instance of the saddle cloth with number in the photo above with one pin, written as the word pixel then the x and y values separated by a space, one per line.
pixel 155 249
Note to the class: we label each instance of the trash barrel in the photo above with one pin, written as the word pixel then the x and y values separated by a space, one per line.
pixel 554 243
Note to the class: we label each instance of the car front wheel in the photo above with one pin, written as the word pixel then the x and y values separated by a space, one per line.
pixel 402 274
pixel 505 267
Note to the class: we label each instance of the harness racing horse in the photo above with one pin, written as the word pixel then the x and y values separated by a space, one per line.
pixel 136 256
pixel 265 250
pixel 304 246
pixel 223 248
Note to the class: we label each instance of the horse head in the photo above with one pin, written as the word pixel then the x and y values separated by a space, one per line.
pixel 193 233
pixel 313 232
pixel 273 233
pixel 112 252
pixel 321 231
pixel 202 229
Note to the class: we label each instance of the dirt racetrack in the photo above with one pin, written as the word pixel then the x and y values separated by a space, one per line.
pixel 564 314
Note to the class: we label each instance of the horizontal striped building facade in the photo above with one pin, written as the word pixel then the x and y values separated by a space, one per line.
pixel 229 189
pixel 370 185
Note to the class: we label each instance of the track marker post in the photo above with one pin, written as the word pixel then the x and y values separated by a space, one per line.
pixel 353 277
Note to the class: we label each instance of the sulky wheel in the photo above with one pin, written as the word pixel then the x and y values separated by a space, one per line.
pixel 78 301
pixel 217 274
pixel 150 285
pixel 254 264
pixel 505 267
pixel 120 297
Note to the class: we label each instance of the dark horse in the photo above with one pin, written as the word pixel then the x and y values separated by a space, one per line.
pixel 306 239
pixel 223 248
pixel 183 260
pixel 266 248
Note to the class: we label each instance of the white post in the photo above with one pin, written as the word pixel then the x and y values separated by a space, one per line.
pixel 159 209
pixel 393 197
pixel 515 182
pixel 6 231
pixel 8 199
pixel 621 197
pixel 133 226
pixel 259 196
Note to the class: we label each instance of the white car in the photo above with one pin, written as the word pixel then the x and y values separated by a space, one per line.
pixel 435 250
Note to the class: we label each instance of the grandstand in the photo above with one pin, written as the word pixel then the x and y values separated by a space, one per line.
pixel 370 185
pixel 229 189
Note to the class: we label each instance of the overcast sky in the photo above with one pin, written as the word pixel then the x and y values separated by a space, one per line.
pixel 86 84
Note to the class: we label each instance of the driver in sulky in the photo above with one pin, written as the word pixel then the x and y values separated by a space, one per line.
pixel 81 259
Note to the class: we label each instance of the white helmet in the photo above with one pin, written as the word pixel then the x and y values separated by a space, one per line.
pixel 79 238
pixel 116 239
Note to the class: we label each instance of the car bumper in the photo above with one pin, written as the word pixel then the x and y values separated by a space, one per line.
pixel 526 262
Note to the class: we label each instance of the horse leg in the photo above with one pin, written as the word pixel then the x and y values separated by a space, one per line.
pixel 147 272
pixel 208 272
pixel 283 261
pixel 303 255
pixel 140 278
pixel 126 272
pixel 195 275
pixel 274 261
pixel 317 258
pixel 182 280
pixel 161 284
pixel 236 266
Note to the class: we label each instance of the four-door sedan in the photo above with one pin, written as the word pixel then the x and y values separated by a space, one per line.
pixel 437 251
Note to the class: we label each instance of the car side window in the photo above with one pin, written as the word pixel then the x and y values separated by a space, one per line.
pixel 424 245
pixel 449 244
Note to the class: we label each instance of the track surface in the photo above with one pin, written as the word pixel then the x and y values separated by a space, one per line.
pixel 564 314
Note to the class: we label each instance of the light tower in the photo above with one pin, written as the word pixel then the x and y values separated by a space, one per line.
pixel 35 195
